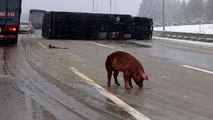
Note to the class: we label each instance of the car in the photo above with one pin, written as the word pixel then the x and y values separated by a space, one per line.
pixel 26 27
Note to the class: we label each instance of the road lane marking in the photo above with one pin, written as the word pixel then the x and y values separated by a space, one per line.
pixel 33 36
pixel 3 76
pixel 107 46
pixel 202 70
pixel 42 45
pixel 103 45
pixel 136 114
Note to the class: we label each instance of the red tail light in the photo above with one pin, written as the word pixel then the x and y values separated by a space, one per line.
pixel 9 28
pixel 12 29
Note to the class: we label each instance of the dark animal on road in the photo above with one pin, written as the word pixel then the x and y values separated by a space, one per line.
pixel 129 65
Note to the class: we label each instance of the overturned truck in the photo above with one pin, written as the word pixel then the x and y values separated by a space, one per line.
pixel 71 25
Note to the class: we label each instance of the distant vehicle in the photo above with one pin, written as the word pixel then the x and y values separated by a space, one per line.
pixel 36 18
pixel 10 11
pixel 26 27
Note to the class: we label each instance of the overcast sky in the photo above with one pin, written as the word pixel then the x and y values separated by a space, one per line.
pixel 122 6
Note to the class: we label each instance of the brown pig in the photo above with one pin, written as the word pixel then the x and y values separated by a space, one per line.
pixel 129 65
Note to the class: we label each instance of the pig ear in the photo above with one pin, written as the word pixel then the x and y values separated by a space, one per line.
pixel 145 77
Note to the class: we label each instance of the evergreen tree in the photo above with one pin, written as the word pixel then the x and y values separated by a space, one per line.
pixel 209 9
pixel 183 12
pixel 154 9
pixel 172 10
pixel 151 9
pixel 195 10
pixel 177 11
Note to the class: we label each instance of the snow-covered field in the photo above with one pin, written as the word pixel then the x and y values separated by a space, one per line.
pixel 204 28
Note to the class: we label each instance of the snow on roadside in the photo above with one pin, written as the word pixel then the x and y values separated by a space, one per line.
pixel 197 43
pixel 203 28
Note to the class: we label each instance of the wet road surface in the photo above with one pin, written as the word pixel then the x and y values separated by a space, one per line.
pixel 37 83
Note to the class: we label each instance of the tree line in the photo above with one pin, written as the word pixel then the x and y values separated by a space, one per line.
pixel 178 11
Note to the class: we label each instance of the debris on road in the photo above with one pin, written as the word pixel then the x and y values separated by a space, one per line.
pixel 54 47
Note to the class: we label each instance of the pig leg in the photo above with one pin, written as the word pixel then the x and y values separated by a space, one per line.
pixel 109 75
pixel 130 82
pixel 126 79
pixel 142 84
pixel 115 77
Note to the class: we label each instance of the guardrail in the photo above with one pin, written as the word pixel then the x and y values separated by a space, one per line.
pixel 182 35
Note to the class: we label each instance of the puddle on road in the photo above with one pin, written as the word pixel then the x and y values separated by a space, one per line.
pixel 110 106
pixel 192 58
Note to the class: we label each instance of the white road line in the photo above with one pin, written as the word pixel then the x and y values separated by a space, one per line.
pixel 3 76
pixel 42 45
pixel 136 114
pixel 102 45
pixel 33 36
pixel 202 70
